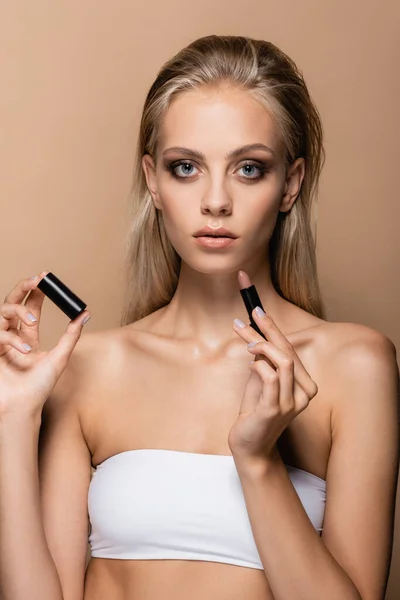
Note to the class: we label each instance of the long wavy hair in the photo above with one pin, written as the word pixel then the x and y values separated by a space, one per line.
pixel 151 264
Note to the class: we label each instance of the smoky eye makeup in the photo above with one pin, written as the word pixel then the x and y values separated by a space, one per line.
pixel 249 169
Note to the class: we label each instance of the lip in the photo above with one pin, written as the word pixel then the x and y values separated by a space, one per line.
pixel 221 231
pixel 215 242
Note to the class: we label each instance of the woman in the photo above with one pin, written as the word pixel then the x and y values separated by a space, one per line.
pixel 215 478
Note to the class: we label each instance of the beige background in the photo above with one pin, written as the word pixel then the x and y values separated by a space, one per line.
pixel 74 76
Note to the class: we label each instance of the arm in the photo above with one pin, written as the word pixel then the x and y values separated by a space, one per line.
pixel 65 473
pixel 43 500
pixel 27 569
pixel 351 559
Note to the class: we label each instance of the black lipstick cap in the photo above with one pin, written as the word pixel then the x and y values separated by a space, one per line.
pixel 61 295
pixel 251 299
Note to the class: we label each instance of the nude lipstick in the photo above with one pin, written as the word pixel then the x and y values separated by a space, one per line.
pixel 61 295
pixel 250 297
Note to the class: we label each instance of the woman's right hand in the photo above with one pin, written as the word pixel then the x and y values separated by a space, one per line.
pixel 27 377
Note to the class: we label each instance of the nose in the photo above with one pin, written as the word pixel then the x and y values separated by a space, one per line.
pixel 216 200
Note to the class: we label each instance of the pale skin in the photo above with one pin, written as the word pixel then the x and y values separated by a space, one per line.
pixel 165 372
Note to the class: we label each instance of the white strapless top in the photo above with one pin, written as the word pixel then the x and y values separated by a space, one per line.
pixel 150 504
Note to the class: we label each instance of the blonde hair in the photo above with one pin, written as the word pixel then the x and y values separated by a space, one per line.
pixel 151 264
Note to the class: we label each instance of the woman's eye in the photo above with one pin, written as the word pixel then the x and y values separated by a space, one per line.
pixel 186 169
pixel 250 169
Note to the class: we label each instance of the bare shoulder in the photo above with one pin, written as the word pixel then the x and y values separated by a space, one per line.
pixel 349 349
pixel 355 341
pixel 357 358
pixel 334 342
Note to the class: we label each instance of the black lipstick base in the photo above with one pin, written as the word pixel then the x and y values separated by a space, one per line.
pixel 61 295
pixel 251 299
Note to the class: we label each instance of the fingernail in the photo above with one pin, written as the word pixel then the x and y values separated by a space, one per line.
pixel 27 347
pixel 86 319
pixel 36 277
pixel 260 311
pixel 251 344
pixel 31 317
pixel 239 323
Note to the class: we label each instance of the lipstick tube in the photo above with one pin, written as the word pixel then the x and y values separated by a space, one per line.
pixel 61 295
pixel 251 299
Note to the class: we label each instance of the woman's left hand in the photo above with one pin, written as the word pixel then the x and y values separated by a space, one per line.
pixel 278 389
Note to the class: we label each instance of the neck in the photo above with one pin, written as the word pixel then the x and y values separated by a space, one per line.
pixel 204 306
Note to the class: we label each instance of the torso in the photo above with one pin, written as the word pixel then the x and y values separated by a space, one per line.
pixel 155 393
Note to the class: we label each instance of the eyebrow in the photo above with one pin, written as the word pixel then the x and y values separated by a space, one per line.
pixel 230 155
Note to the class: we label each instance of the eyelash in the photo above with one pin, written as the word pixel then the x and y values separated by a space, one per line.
pixel 262 169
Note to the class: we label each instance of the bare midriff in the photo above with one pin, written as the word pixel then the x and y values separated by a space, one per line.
pixel 110 579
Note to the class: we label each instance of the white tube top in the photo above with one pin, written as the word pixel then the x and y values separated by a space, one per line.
pixel 148 504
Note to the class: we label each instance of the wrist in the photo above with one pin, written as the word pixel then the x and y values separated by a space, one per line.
pixel 252 468
pixel 20 419
pixel 257 466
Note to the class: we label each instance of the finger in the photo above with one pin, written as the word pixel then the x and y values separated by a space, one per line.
pixel 61 353
pixel 8 339
pixel 248 334
pixel 270 393
pixel 19 292
pixel 286 364
pixel 252 393
pixel 287 380
pixel 302 400
pixel 10 311
pixel 272 332
pixel 33 305
pixel 280 341
pixel 31 333
pixel 269 350
pixel 17 295
pixel 291 394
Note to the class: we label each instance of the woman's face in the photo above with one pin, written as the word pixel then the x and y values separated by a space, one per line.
pixel 198 181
